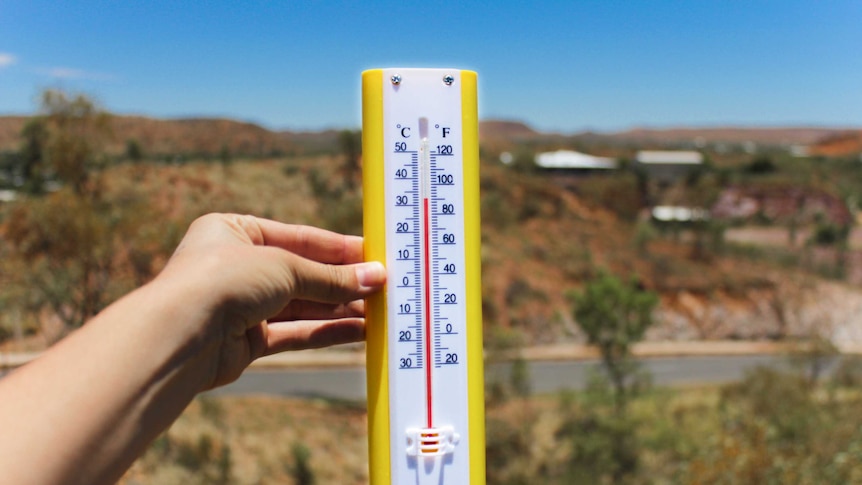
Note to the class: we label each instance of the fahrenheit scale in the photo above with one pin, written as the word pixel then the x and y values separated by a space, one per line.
pixel 424 332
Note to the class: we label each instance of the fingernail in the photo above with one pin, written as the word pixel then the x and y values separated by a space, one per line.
pixel 371 274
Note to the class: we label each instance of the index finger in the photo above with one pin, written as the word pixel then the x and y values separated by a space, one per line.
pixel 312 243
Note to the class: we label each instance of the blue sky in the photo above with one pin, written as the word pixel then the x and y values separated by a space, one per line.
pixel 559 66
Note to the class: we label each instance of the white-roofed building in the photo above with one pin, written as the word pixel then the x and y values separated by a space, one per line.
pixel 669 213
pixel 574 161
pixel 667 165
pixel 669 157
pixel 8 195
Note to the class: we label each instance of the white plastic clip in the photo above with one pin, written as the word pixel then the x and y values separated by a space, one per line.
pixel 431 441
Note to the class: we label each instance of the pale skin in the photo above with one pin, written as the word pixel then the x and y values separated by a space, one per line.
pixel 237 288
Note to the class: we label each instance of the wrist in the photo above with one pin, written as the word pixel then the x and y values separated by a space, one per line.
pixel 177 330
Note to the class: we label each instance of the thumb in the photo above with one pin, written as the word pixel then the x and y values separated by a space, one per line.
pixel 335 283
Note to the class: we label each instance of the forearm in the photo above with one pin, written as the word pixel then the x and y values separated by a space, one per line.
pixel 88 407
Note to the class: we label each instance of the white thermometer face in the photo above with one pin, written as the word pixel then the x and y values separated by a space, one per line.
pixel 425 257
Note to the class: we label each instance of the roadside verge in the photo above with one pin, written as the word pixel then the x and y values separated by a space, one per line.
pixel 318 358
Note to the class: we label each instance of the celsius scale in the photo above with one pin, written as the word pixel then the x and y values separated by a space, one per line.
pixel 420 148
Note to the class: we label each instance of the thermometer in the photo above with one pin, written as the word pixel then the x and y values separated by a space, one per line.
pixel 424 331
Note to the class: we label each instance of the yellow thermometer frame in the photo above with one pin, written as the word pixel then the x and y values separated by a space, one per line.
pixel 378 357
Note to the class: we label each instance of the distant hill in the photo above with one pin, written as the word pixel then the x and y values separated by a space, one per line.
pixel 207 137
pixel 509 130
pixel 197 136
pixel 505 135
pixel 765 136
pixel 310 142
pixel 841 144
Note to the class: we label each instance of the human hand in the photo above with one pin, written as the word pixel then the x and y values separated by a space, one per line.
pixel 236 288
pixel 253 287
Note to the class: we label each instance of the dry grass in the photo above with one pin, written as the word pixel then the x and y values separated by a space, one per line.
pixel 260 187
pixel 259 434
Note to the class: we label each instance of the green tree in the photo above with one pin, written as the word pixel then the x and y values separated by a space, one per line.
pixel 77 132
pixel 300 469
pixel 604 449
pixel 134 151
pixel 519 378
pixel 81 251
pixel 604 445
pixel 350 145
pixel 614 316
pixel 760 165
pixel 224 156
pixel 524 161
pixel 34 138
pixel 813 357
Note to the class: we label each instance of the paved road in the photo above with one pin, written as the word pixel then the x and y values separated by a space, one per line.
pixel 546 377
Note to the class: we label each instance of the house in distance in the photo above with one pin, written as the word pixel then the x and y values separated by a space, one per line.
pixel 666 167
pixel 573 161
pixel 570 167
